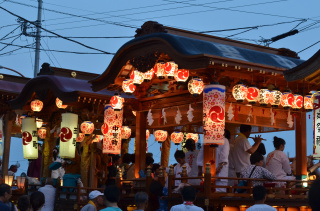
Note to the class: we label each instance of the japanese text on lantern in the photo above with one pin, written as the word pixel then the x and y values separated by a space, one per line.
pixel 316 126
pixel 213 114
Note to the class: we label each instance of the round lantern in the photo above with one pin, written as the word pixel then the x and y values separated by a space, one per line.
pixel 287 99
pixel 147 134
pixel 239 92
pixel 96 139
pixel 193 136
pixel 80 137
pixel 252 94
pixel 36 105
pixel 42 132
pixel 87 127
pixel 128 86
pixel 275 98
pixel 116 102
pixel 298 102
pixel 29 138
pixel 264 96
pixel 159 69
pixel 147 76
pixel 177 137
pixel 181 75
pixel 170 69
pixel 308 102
pixel 125 132
pixel 59 104
pixel 160 135
pixel 195 86
pixel 137 77
pixel 39 123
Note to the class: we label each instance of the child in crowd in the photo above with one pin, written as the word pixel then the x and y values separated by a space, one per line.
pixel 181 159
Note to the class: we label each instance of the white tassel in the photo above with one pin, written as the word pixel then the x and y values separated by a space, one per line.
pixel 290 119
pixel 250 116
pixel 272 121
pixel 190 113
pixel 230 112
pixel 164 116
pixel 150 118
pixel 178 117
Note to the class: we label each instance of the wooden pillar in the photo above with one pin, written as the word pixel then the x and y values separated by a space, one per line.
pixel 47 155
pixel 124 147
pixel 85 161
pixel 93 182
pixel 165 153
pixel 7 141
pixel 140 142
pixel 301 145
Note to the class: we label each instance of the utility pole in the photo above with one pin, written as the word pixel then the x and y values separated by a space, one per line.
pixel 38 37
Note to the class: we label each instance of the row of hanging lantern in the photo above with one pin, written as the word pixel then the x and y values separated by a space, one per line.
pixel 286 99
pixel 176 137
pixel 37 105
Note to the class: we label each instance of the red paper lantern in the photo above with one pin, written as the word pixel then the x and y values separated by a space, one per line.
pixel 193 136
pixel 125 132
pixel 59 104
pixel 160 135
pixel 128 86
pixel 42 132
pixel 239 92
pixel 137 77
pixel 87 127
pixel 80 137
pixel 181 75
pixel 117 102
pixel 308 102
pixel 298 102
pixel 147 76
pixel 159 69
pixel 287 99
pixel 195 86
pixel 177 137
pixel 275 98
pixel 36 105
pixel 170 69
pixel 252 94
pixel 147 134
pixel 264 96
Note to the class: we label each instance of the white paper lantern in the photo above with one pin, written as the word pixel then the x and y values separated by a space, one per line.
pixel 177 137
pixel 308 103
pixel 275 98
pixel 195 86
pixel 42 132
pixel 287 99
pixel 264 96
pixel 213 114
pixel 316 126
pixel 36 105
pixel 181 75
pixel 128 86
pixel 252 94
pixel 126 132
pixel 298 102
pixel 68 135
pixel 137 77
pixel 147 76
pixel 160 135
pixel 170 69
pixel 117 102
pixel 239 92
pixel 59 104
pixel 159 69
pixel 193 136
pixel 29 138
pixel 87 127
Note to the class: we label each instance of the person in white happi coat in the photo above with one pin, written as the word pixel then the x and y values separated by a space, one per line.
pixel 191 159
pixel 177 171
pixel 60 171
pixel 222 162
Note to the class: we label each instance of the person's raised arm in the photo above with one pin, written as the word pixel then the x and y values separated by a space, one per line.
pixel 257 140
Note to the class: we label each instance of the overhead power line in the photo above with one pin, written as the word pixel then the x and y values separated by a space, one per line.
pixel 92 48
pixel 309 46
pixel 125 37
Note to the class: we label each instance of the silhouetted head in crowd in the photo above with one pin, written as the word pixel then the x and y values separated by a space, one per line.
pixel 227 134
pixel 5 193
pixel 13 168
pixel 24 203
pixel 188 193
pixel 259 194
pixel 116 160
pixel 180 157
pixel 256 159
pixel 279 143
pixel 112 194
pixel 314 195
pixel 126 158
pixel 141 200
pixel 156 188
pixel 261 149
pixel 37 200
pixel 149 161
pixel 245 130
pixel 190 145
pixel 156 169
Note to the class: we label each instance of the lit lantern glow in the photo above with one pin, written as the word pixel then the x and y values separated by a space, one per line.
pixel 264 96
pixel 147 134
pixel 59 104
pixel 128 86
pixel 147 76
pixel 29 138
pixel 275 98
pixel 213 114
pixel 252 94
pixel 308 102
pixel 195 86
pixel 316 125
pixel 137 77
pixel 42 133
pixel 287 99
pixel 239 92
pixel 87 127
pixel 68 135
pixel 117 102
pixel 36 105
pixel 193 136
pixel 96 139
pixel 134 113
pixel 160 135
pixel 80 137
pixel 126 132
pixel 159 70
pixel 39 122
pixel 177 137
pixel 298 102
pixel 181 75
pixel 170 69
pixel 104 128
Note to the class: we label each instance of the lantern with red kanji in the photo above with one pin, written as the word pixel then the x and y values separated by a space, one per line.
pixel 239 92
pixel 128 86
pixel 29 138
pixel 147 76
pixel 126 132
pixel 36 105
pixel 170 69
pixel 136 77
pixel 68 135
pixel 87 127
pixel 147 134
pixel 298 102
pixel 252 94
pixel 193 136
pixel 160 135
pixel 195 86
pixel 80 137
pixel 275 97
pixel 287 99
pixel 59 104
pixel 42 132
pixel 308 102
pixel 117 102
pixel 177 137
pixel 159 69
pixel 264 96
pixel 181 75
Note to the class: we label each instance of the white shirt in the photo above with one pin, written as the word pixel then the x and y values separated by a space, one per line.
pixel 278 164
pixel 261 207
pixel 241 158
pixel 191 159
pixel 178 169
pixel 58 172
pixel 182 207
pixel 50 192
